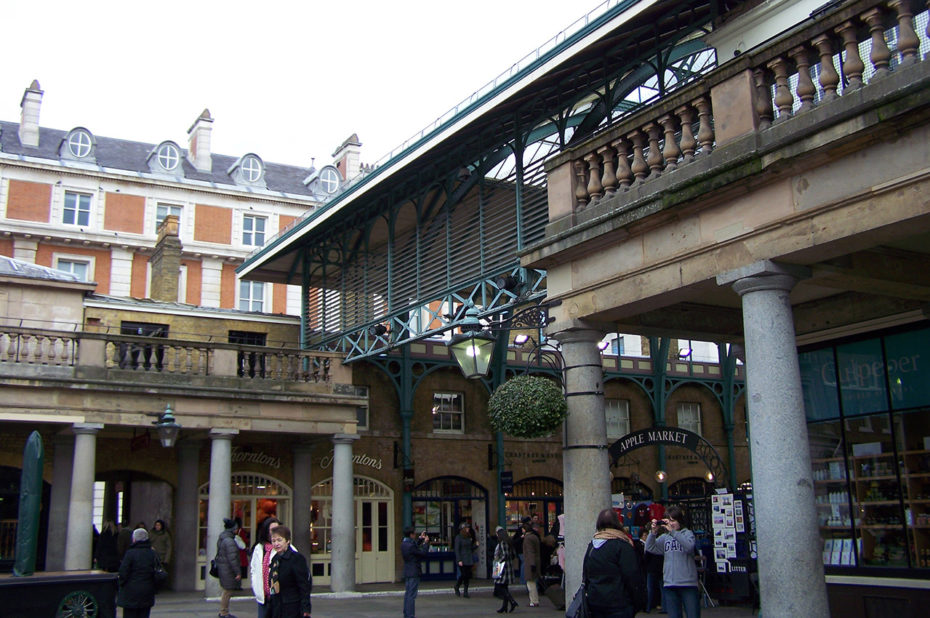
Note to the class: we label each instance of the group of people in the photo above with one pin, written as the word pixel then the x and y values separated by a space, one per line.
pixel 620 577
pixel 280 577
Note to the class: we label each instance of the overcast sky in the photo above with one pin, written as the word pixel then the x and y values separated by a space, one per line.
pixel 286 80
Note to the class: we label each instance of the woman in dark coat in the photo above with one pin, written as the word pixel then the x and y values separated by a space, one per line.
pixel 137 577
pixel 503 552
pixel 615 583
pixel 464 545
pixel 289 578
pixel 106 554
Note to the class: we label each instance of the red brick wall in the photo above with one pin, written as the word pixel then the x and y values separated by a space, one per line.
pixel 29 201
pixel 212 224
pixel 124 213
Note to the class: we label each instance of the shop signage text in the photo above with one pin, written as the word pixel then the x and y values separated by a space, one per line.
pixel 256 457
pixel 653 436
pixel 361 459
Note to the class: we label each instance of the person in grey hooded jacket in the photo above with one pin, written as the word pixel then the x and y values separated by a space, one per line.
pixel 671 537
pixel 227 563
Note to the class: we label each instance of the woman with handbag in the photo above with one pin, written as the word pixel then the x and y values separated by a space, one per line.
pixel 137 577
pixel 613 579
pixel 503 571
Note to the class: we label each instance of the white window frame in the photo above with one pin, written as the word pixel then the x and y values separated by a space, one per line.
pixel 169 157
pixel 617 414
pixel 252 304
pixel 251 169
pixel 76 209
pixel 329 180
pixel 170 209
pixel 249 232
pixel 88 261
pixel 444 403
pixel 691 410
pixel 80 144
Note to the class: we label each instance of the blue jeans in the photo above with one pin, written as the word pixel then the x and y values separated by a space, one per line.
pixel 522 570
pixel 653 590
pixel 411 584
pixel 677 597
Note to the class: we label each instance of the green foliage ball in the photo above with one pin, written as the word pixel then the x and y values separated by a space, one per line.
pixel 527 407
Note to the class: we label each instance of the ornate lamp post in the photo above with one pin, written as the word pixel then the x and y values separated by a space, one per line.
pixel 168 427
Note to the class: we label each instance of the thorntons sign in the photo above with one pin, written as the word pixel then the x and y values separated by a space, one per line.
pixel 257 457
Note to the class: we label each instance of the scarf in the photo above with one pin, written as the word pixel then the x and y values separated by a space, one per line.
pixel 612 533
pixel 266 560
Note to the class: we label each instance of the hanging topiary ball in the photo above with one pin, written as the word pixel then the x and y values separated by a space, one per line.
pixel 527 407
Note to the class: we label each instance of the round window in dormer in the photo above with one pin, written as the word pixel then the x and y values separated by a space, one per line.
pixel 80 143
pixel 168 156
pixel 251 168
pixel 329 179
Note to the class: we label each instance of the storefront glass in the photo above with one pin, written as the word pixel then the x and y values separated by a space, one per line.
pixel 871 466
pixel 538 498
pixel 439 507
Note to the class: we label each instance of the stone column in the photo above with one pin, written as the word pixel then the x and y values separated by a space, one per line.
pixel 58 509
pixel 300 522
pixel 585 463
pixel 220 496
pixel 186 516
pixel 343 554
pixel 79 546
pixel 789 543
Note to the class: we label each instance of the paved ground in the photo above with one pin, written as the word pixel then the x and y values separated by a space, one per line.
pixel 435 601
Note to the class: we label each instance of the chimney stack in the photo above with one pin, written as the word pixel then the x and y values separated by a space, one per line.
pixel 198 150
pixel 29 120
pixel 166 262
pixel 347 156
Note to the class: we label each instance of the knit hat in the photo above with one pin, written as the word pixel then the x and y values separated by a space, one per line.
pixel 140 534
pixel 498 529
pixel 229 524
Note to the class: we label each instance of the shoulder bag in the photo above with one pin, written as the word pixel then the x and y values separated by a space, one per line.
pixel 579 605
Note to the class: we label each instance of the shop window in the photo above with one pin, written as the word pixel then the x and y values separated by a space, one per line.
pixel 142 355
pixel 448 412
pixel 689 416
pixel 617 412
pixel 249 363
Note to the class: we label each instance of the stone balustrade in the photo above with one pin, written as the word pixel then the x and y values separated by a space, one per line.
pixel 154 355
pixel 835 55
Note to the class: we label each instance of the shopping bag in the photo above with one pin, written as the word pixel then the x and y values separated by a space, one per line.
pixel 498 570
pixel 579 605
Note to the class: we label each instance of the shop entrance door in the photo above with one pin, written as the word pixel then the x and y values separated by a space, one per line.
pixel 254 498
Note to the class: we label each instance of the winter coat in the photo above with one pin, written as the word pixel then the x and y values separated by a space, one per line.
pixel 612 568
pixel 106 554
pixel 505 552
pixel 531 555
pixel 257 573
pixel 227 560
pixel 123 541
pixel 293 598
pixel 161 543
pixel 464 549
pixel 137 576
pixel 412 552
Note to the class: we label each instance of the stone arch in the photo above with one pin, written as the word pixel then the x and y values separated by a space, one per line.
pixel 674 437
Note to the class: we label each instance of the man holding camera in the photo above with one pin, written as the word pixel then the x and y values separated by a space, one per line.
pixel 412 549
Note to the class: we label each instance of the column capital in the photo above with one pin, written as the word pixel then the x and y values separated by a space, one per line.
pixel 577 331
pixel 86 428
pixel 345 438
pixel 223 434
pixel 763 275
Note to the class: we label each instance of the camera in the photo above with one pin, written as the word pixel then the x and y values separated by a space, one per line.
pixel 660 526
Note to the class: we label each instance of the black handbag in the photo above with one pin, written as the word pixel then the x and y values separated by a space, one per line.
pixel 161 575
pixel 214 572
pixel 579 605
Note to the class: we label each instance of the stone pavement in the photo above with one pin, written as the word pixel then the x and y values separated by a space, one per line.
pixel 434 601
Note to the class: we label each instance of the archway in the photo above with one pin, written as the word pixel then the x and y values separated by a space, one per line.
pixel 374 531
pixel 674 437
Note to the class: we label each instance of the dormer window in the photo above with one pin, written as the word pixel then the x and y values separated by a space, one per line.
pixel 329 179
pixel 248 170
pixel 169 156
pixel 251 168
pixel 78 145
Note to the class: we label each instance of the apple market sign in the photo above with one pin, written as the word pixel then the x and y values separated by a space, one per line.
pixel 675 437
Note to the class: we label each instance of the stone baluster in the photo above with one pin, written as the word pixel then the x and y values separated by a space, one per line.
pixel 609 178
pixel 705 136
pixel 670 150
pixel 624 173
pixel 763 100
pixel 908 43
pixel 829 78
pixel 581 187
pixel 852 65
pixel 654 159
pixel 880 55
pixel 806 89
pixel 784 100
pixel 595 188
pixel 688 143
pixel 639 167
